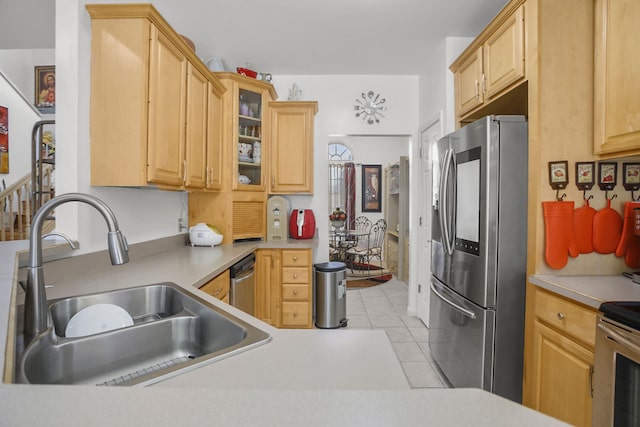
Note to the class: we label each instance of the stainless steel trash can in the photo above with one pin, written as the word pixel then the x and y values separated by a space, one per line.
pixel 331 295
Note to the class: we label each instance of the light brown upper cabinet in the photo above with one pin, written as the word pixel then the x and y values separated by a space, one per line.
pixel 617 78
pixel 291 154
pixel 149 101
pixel 492 64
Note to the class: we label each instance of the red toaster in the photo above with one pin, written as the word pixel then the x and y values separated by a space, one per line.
pixel 302 224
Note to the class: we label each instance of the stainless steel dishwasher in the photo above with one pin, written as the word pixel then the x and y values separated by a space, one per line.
pixel 243 284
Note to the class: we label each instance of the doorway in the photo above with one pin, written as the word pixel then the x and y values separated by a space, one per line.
pixel 429 134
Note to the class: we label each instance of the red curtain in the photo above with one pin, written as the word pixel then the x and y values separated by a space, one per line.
pixel 350 194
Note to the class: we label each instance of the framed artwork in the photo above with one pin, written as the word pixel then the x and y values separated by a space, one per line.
pixel 4 139
pixel 607 175
pixel 558 177
pixel 585 175
pixel 45 89
pixel 631 176
pixel 371 188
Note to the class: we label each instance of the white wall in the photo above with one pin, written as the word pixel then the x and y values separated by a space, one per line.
pixel 336 96
pixel 19 66
pixel 17 93
pixel 22 117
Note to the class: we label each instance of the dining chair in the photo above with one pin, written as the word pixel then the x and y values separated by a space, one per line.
pixel 362 224
pixel 371 247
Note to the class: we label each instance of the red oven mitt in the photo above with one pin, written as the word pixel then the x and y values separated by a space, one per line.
pixel 607 230
pixel 559 237
pixel 629 245
pixel 583 227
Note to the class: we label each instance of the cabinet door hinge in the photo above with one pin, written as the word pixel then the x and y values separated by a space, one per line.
pixel 419 288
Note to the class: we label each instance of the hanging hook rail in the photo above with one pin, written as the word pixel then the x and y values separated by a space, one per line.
pixel 606 195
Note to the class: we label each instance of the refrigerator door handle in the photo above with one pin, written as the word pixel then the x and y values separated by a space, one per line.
pixel 445 216
pixel 468 313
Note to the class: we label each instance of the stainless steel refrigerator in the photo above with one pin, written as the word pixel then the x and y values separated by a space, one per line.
pixel 478 255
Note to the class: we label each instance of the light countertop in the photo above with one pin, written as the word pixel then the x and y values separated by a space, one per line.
pixel 590 290
pixel 309 377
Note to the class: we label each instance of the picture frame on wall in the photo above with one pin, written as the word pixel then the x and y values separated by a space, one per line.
pixel 371 188
pixel 45 88
pixel 4 139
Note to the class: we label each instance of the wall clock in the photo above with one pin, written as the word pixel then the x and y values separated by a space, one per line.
pixel 370 107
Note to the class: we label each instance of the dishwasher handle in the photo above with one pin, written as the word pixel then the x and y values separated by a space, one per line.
pixel 244 275
pixel 243 265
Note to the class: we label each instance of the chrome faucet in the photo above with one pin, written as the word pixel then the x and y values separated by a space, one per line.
pixel 35 306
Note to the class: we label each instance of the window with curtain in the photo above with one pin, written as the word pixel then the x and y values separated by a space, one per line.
pixel 342 181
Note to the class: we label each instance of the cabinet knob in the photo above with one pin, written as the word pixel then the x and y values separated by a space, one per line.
pixel 295 275
pixel 295 258
pixel 217 292
pixel 295 314
pixel 561 316
pixel 295 292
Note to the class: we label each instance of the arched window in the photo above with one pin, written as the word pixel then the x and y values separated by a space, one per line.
pixel 339 152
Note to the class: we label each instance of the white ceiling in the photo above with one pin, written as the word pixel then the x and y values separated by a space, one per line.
pixel 294 37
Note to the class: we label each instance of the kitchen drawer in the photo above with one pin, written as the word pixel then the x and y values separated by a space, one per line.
pixel 296 292
pixel 219 286
pixel 296 314
pixel 574 320
pixel 296 258
pixel 296 275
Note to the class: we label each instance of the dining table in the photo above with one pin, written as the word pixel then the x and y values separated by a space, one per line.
pixel 343 240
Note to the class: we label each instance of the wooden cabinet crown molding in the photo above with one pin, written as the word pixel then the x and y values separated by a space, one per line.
pixel 257 84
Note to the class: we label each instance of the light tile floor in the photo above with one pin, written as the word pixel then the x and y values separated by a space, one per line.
pixel 385 307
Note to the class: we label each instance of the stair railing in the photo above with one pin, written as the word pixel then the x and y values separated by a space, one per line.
pixel 16 205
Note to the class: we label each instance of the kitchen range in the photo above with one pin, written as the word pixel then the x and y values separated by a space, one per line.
pixel 616 378
pixel 478 259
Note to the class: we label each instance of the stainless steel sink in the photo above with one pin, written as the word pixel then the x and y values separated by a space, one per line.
pixel 173 331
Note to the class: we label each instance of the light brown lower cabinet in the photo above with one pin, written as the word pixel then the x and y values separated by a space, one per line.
pixel 559 351
pixel 284 287
pixel 218 287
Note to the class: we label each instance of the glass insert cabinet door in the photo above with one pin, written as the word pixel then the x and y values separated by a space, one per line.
pixel 249 138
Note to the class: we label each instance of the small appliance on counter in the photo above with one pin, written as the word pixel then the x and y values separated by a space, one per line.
pixel 203 234
pixel 302 224
pixel 277 218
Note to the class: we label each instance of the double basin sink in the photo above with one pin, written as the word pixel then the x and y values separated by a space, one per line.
pixel 173 331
